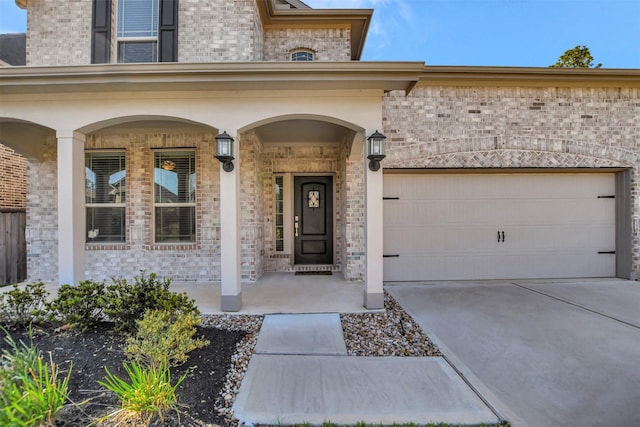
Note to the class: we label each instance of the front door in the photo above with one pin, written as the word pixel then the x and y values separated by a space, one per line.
pixel 313 219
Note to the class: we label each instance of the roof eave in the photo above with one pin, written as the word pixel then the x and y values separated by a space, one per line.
pixel 358 20
pixel 529 76
pixel 384 76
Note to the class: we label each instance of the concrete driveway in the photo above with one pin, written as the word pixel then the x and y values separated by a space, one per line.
pixel 545 352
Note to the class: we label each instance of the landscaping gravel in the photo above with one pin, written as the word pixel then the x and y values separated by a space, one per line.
pixel 387 333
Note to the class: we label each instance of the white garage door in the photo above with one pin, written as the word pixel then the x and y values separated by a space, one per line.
pixel 498 226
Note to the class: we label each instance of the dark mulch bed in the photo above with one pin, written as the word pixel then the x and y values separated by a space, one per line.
pixel 90 352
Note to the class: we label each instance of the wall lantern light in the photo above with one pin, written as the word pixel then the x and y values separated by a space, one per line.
pixel 224 151
pixel 375 148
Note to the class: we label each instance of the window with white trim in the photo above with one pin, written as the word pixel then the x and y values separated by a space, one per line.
pixel 138 31
pixel 302 55
pixel 105 194
pixel 175 196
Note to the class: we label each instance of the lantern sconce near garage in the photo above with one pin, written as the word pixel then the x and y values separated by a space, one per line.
pixel 224 151
pixel 375 148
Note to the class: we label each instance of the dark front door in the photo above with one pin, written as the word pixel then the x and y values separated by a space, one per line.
pixel 313 219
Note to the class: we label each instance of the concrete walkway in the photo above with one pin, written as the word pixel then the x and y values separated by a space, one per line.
pixel 294 381
pixel 547 352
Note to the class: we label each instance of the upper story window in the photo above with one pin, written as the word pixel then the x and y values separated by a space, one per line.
pixel 302 55
pixel 138 30
pixel 105 193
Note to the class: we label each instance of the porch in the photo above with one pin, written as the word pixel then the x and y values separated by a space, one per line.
pixel 283 292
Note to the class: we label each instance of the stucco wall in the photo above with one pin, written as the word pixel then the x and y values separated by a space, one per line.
pixel 13 180
pixel 328 44
pixel 504 127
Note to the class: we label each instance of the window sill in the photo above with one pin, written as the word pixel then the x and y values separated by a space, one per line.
pixel 174 246
pixel 106 246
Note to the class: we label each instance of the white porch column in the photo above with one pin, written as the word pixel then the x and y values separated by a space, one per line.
pixel 231 292
pixel 71 210
pixel 373 292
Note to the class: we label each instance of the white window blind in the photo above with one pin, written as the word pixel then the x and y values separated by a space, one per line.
pixel 175 196
pixel 137 31
pixel 105 194
pixel 137 18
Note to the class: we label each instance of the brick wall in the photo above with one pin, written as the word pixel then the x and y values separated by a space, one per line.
pixel 59 32
pixel 298 159
pixel 42 215
pixel 354 236
pixel 199 261
pixel 503 127
pixel 219 30
pixel 13 181
pixel 251 206
pixel 328 44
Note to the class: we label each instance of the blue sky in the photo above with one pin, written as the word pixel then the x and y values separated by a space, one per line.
pixel 479 32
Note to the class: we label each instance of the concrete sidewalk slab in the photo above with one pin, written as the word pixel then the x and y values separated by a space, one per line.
pixel 301 334
pixel 285 389
pixel 616 298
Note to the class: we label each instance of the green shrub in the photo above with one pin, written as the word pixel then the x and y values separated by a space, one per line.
pixel 148 393
pixel 80 306
pixel 163 338
pixel 125 303
pixel 21 307
pixel 30 392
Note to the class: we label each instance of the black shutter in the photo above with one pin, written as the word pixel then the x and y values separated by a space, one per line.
pixel 168 31
pixel 101 32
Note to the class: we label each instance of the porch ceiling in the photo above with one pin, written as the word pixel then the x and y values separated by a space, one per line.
pixel 24 138
pixel 302 130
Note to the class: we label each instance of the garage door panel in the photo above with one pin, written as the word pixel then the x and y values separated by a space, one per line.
pixel 434 240
pixel 446 226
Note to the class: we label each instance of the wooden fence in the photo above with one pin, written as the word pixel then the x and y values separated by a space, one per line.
pixel 13 246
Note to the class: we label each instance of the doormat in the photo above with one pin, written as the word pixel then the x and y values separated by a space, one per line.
pixel 313 273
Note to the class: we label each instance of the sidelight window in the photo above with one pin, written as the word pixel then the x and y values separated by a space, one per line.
pixel 279 212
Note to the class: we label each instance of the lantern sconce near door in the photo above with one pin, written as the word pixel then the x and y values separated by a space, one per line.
pixel 224 151
pixel 375 148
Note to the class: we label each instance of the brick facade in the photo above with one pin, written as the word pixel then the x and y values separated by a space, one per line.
pixel 444 127
pixel 59 32
pixel 13 180
pixel 332 44
pixel 208 31
pixel 300 159
pixel 198 261
pixel 220 30
pixel 516 127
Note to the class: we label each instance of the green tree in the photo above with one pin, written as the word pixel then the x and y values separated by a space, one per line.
pixel 578 57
